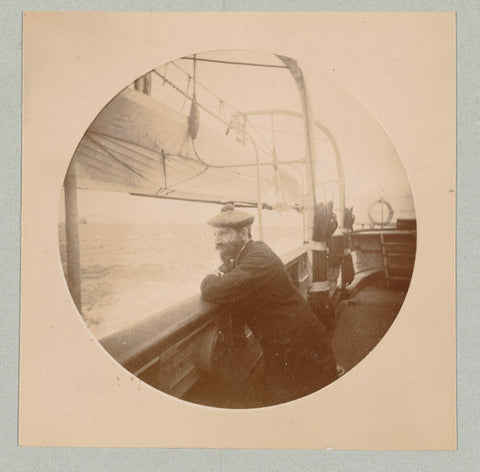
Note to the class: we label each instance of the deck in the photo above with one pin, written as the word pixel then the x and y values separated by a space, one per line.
pixel 363 320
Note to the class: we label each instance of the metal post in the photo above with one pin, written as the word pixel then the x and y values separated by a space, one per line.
pixel 259 184
pixel 309 135
pixel 259 200
pixel 275 159
pixel 72 237
pixel 340 171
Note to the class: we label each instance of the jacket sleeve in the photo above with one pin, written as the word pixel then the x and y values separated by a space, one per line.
pixel 255 270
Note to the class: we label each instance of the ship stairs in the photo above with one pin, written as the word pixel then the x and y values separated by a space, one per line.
pixel 398 253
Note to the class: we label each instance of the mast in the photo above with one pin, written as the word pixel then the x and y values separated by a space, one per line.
pixel 142 84
pixel 72 237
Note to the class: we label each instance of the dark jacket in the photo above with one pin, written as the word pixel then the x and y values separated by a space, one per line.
pixel 295 344
pixel 260 288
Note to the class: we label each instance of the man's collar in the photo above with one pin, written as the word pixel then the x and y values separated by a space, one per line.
pixel 241 251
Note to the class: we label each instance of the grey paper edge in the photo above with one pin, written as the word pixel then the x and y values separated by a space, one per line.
pixel 13 458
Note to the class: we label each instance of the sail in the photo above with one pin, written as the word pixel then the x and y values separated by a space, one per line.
pixel 142 146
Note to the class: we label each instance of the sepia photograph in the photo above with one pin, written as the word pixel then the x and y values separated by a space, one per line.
pixel 235 233
pixel 238 231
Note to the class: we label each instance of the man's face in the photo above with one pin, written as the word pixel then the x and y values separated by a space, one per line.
pixel 228 242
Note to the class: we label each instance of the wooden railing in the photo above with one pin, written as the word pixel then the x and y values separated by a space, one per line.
pixel 175 348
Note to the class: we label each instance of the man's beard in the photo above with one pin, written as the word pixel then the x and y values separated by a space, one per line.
pixel 229 251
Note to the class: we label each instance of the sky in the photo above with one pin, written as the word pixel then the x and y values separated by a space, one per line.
pixel 373 169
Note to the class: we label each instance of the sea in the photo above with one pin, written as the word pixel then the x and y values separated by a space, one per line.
pixel 131 271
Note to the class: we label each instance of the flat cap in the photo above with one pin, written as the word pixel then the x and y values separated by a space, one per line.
pixel 231 217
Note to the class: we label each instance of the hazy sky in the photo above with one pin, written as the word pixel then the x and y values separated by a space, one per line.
pixel 372 167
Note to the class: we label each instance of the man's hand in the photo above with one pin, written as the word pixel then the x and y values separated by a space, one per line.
pixel 227 266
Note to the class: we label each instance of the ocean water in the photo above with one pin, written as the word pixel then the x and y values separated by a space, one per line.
pixel 130 271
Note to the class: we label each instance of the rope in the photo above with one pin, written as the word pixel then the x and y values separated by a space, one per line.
pixel 206 88
pixel 220 99
pixel 207 165
pixel 164 164
pixel 194 75
pixel 273 66
pixel 166 73
pixel 273 133
pixel 191 98
pixel 222 102
pixel 183 181
pixel 219 118
pixel 216 166
pixel 259 135
pixel 101 146
pixel 205 185
pixel 188 88
pixel 218 202
pixel 164 156
pixel 284 132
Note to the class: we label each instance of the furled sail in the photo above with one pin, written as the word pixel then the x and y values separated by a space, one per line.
pixel 139 145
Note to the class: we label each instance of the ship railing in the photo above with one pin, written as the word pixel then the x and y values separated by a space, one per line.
pixel 175 348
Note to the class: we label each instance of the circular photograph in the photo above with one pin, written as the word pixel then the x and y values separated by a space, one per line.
pixel 237 229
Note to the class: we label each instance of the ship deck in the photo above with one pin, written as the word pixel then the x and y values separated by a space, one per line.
pixel 363 320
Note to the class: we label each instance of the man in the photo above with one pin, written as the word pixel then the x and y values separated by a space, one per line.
pixel 253 281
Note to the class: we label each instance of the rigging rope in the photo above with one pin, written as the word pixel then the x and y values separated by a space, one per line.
pixel 164 154
pixel 237 63
pixel 222 103
pixel 131 169
pixel 193 126
pixel 191 98
pixel 219 118
pixel 186 93
pixel 206 88
pixel 282 132
pixel 238 204
pixel 167 154
pixel 183 181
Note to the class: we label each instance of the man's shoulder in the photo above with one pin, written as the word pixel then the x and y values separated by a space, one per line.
pixel 259 248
